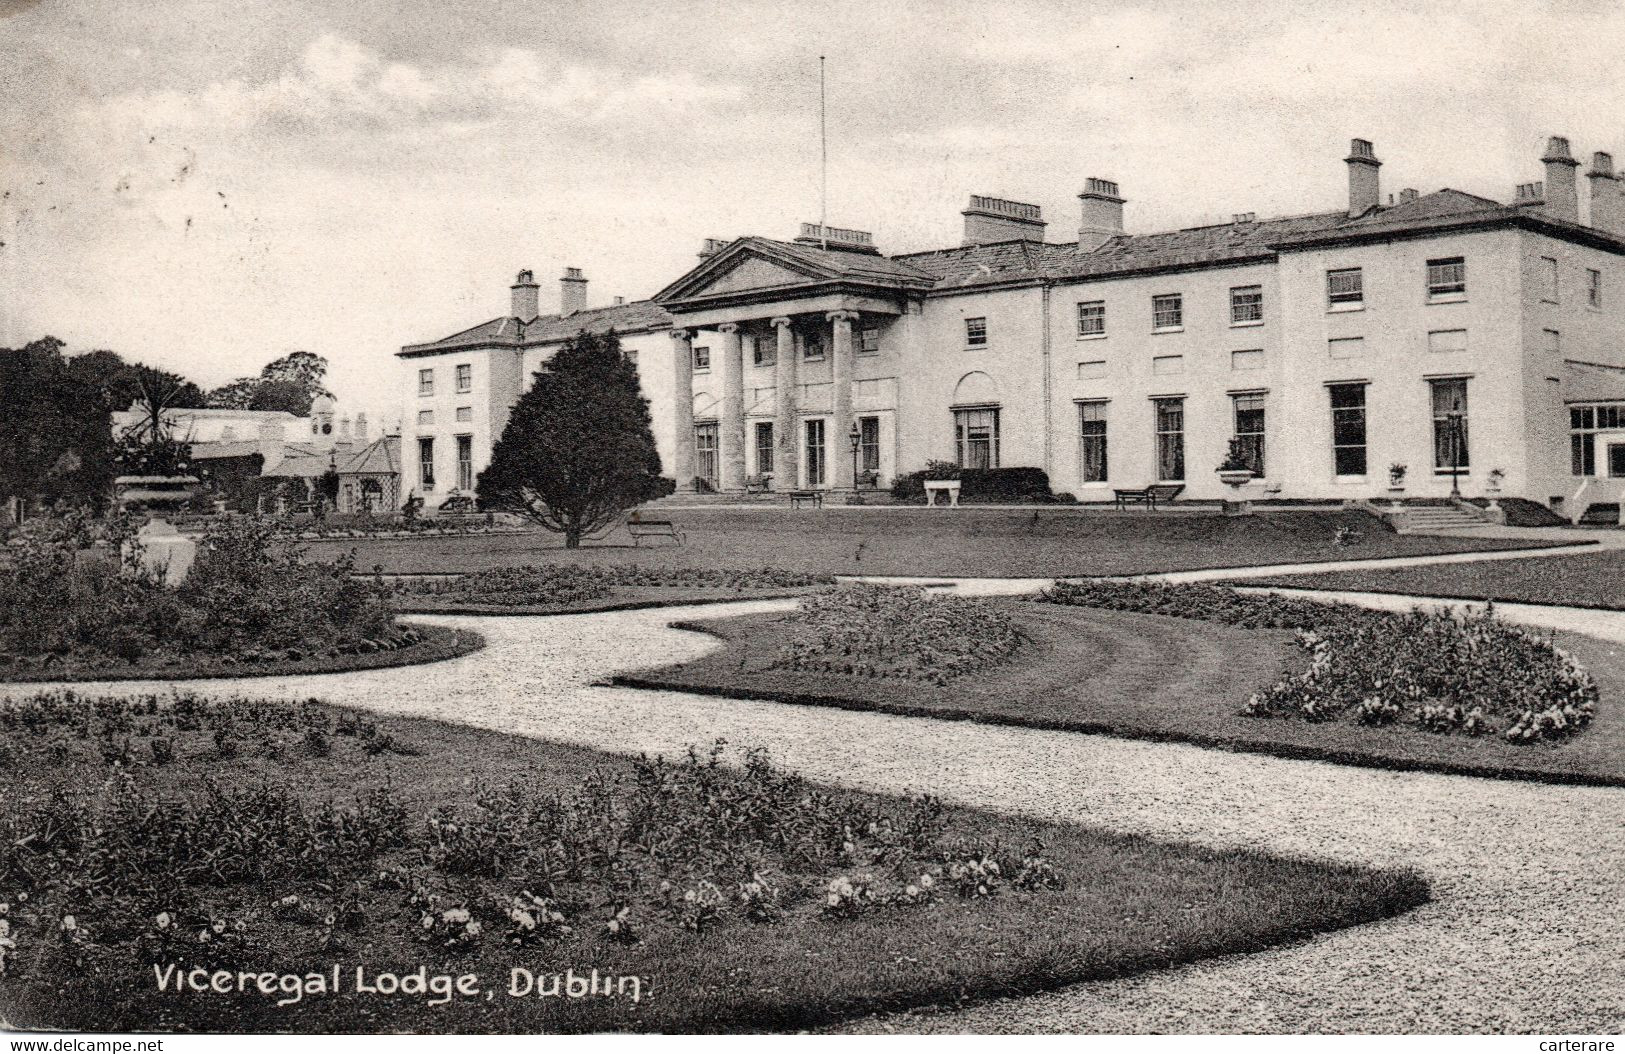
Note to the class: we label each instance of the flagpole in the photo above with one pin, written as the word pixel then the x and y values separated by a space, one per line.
pixel 823 161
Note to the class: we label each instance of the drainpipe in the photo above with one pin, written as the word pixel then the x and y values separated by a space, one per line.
pixel 1049 435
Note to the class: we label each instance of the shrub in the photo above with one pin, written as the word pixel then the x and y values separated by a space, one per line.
pixel 1437 670
pixel 883 631
pixel 561 584
pixel 978 484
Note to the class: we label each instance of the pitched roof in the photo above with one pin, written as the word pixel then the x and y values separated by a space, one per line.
pixel 640 316
pixel 378 457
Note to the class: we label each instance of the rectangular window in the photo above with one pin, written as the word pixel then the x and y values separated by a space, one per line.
pixel 868 444
pixel 1092 442
pixel 815 452
pixel 1548 279
pixel 465 378
pixel 1092 371
pixel 1249 415
pixel 1551 341
pixel 1168 311
pixel 1252 359
pixel 869 341
pixel 976 438
pixel 702 359
pixel 1170 440
pixel 1447 279
pixel 812 348
pixel 426 382
pixel 1449 424
pixel 465 463
pixel 706 462
pixel 1092 318
pixel 425 418
pixel 1164 365
pixel 1345 289
pixel 1594 288
pixel 426 462
pixel 1246 305
pixel 465 414
pixel 765 351
pixel 1345 347
pixel 764 447
pixel 1444 340
pixel 976 333
pixel 1348 429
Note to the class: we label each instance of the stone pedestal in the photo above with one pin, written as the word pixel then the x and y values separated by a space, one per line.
pixel 165 552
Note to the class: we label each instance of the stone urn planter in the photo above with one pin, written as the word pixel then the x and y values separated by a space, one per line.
pixel 1234 478
pixel 165 552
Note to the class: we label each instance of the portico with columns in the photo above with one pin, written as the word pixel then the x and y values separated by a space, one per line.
pixel 771 357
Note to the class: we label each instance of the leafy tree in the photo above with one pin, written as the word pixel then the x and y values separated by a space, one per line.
pixel 290 383
pixel 234 395
pixel 578 450
pixel 56 441
pixel 281 395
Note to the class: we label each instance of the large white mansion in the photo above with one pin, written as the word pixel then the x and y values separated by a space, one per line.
pixel 1445 332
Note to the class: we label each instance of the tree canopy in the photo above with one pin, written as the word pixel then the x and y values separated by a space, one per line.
pixel 290 383
pixel 578 450
pixel 56 440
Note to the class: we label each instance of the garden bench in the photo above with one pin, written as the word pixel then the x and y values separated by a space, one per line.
pixel 640 529
pixel 949 488
pixel 799 496
pixel 759 484
pixel 1147 496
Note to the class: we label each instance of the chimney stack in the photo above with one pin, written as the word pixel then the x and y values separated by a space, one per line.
pixel 1102 218
pixel 1607 206
pixel 572 291
pixel 1364 186
pixel 1407 196
pixel 524 297
pixel 1530 194
pixel 997 220
pixel 361 426
pixel 1562 194
pixel 711 246
pixel 620 301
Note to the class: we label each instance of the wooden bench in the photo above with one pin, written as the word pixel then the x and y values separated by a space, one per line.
pixel 759 484
pixel 640 529
pixel 799 496
pixel 1148 496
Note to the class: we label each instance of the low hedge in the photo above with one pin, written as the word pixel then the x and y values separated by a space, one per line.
pixel 1016 484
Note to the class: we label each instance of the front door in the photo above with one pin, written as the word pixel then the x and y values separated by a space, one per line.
pixel 705 453
pixel 1616 460
pixel 764 448
pixel 815 453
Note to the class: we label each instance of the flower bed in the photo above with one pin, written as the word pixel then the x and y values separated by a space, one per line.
pixel 562 585
pixel 737 897
pixel 1441 672
pixel 886 631
pixel 69 601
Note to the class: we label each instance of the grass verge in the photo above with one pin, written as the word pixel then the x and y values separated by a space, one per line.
pixel 1156 677
pixel 379 865
pixel 1589 580
pixel 973 543
pixel 435 644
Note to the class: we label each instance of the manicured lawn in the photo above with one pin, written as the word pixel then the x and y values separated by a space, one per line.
pixel 1594 579
pixel 622 599
pixel 560 589
pixel 1157 677
pixel 433 644
pixel 233 862
pixel 988 543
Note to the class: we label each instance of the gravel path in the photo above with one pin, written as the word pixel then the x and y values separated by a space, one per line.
pixel 1525 934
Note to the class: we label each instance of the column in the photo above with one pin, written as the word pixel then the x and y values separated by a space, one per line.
pixel 732 437
pixel 682 408
pixel 787 476
pixel 840 446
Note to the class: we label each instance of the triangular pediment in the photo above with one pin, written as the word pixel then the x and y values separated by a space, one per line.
pixel 753 272
pixel 746 265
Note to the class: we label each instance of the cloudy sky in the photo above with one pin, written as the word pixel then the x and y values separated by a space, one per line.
pixel 206 185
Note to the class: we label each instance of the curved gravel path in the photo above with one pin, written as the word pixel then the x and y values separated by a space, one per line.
pixel 1525 934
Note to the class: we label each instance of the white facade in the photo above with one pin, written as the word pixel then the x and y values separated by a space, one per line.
pixel 1124 360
